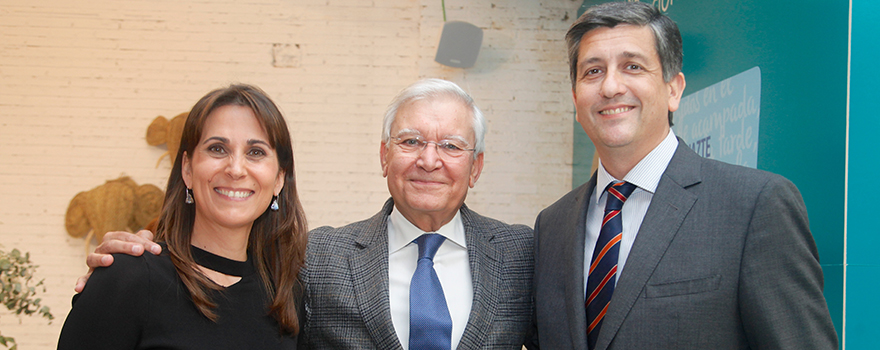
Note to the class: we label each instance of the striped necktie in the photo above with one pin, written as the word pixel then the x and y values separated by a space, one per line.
pixel 603 265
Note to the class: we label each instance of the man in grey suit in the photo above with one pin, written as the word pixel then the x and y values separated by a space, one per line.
pixel 707 255
pixel 357 277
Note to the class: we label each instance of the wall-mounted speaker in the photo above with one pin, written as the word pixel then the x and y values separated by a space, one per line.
pixel 459 44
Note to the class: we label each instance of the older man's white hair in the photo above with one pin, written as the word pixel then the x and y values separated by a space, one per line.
pixel 426 89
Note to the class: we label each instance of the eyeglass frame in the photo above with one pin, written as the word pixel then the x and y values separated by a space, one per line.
pixel 439 146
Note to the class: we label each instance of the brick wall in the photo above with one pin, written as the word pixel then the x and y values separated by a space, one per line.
pixel 79 84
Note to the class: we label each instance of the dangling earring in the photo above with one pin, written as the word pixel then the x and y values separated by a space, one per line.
pixel 189 196
pixel 274 205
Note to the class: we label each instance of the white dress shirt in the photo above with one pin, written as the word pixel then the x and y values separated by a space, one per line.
pixel 452 266
pixel 645 175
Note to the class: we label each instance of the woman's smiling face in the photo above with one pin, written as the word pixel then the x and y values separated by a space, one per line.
pixel 233 171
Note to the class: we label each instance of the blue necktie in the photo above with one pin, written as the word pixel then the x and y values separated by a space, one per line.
pixel 430 326
pixel 603 265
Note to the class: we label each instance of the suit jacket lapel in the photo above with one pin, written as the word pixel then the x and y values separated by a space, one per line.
pixel 485 264
pixel 369 272
pixel 669 206
pixel 574 226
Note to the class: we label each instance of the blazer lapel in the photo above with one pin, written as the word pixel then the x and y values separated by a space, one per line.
pixel 485 264
pixel 574 226
pixel 669 207
pixel 369 272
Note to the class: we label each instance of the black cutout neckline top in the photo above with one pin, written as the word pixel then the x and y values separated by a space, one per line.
pixel 223 265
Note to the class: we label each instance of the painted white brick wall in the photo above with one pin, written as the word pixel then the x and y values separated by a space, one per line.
pixel 79 84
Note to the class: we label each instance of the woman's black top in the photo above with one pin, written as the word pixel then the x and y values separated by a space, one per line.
pixel 141 303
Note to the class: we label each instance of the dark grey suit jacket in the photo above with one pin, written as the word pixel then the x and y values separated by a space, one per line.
pixel 724 259
pixel 346 284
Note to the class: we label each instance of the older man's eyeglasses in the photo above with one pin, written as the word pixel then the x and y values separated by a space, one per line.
pixel 416 144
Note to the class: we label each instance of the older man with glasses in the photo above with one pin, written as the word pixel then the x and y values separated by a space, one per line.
pixel 365 288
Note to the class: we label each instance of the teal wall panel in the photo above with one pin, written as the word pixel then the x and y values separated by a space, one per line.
pixel 801 49
pixel 864 126
pixel 863 234
pixel 582 153
pixel 863 282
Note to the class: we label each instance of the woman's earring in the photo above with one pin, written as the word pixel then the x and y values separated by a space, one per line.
pixel 189 196
pixel 274 205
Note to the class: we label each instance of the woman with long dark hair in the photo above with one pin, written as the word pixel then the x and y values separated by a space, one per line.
pixel 234 237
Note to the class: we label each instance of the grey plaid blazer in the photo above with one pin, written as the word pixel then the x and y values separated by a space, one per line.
pixel 346 281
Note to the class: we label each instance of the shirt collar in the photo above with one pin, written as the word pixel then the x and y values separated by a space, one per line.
pixel 401 232
pixel 647 173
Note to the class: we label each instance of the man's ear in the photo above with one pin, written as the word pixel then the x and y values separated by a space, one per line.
pixel 476 170
pixel 676 88
pixel 383 158
pixel 574 100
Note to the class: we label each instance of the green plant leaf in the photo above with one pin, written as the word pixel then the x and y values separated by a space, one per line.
pixel 17 290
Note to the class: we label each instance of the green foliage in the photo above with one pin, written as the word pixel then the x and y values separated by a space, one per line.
pixel 19 292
